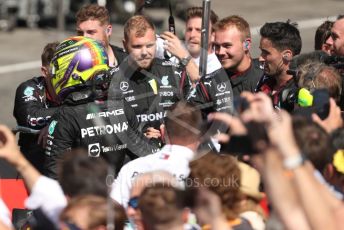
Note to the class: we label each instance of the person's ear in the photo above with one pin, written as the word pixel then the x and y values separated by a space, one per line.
pixel 125 44
pixel 45 71
pixel 212 37
pixel 247 44
pixel 108 30
pixel 287 56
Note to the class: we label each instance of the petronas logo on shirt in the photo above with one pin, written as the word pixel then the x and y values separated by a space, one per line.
pixel 154 86
pixel 52 127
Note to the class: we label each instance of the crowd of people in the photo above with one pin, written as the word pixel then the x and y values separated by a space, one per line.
pixel 131 138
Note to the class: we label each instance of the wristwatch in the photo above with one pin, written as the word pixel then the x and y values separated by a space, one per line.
pixel 184 61
pixel 294 162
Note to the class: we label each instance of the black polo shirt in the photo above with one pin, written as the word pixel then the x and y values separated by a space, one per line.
pixel 247 80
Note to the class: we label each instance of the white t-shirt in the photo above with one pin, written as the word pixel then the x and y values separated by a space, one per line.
pixel 213 63
pixel 171 158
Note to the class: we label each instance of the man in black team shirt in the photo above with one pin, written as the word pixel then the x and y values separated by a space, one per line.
pixel 34 105
pixel 232 47
pixel 279 43
pixel 93 21
pixel 150 85
pixel 106 129
pixel 231 43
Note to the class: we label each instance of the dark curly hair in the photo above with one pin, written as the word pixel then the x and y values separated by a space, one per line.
pixel 322 33
pixel 283 35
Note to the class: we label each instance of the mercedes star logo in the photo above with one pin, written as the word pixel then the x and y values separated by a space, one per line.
pixel 124 86
pixel 221 87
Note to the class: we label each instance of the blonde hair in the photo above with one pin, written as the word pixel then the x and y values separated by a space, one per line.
pixel 234 21
pixel 138 24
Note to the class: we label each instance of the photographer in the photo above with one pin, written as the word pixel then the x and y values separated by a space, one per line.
pixel 315 75
pixel 318 77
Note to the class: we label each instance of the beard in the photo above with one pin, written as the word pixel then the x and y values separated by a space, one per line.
pixel 194 48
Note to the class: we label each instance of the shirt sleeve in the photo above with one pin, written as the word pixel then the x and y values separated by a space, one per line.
pixel 30 109
pixel 62 133
pixel 5 214
pixel 138 144
pixel 200 97
pixel 47 194
pixel 120 191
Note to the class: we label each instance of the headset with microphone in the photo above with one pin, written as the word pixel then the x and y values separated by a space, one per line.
pixel 285 57
pixel 246 44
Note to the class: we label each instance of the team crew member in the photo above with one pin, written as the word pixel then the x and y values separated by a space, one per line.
pixel 189 53
pixel 213 94
pixel 279 43
pixel 183 125
pixel 232 47
pixel 107 129
pixel 93 21
pixel 337 36
pixel 34 105
pixel 150 85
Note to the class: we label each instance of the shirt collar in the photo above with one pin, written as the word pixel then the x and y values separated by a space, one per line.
pixel 213 62
pixel 238 77
pixel 175 149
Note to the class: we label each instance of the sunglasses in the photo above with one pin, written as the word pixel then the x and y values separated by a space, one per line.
pixel 133 202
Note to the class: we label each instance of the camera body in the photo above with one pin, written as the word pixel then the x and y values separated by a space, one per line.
pixel 301 101
pixel 320 104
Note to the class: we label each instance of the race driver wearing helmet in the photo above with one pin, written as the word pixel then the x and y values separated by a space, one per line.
pixel 85 119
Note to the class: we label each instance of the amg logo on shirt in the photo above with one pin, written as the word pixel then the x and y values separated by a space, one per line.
pixel 104 130
pixel 105 114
